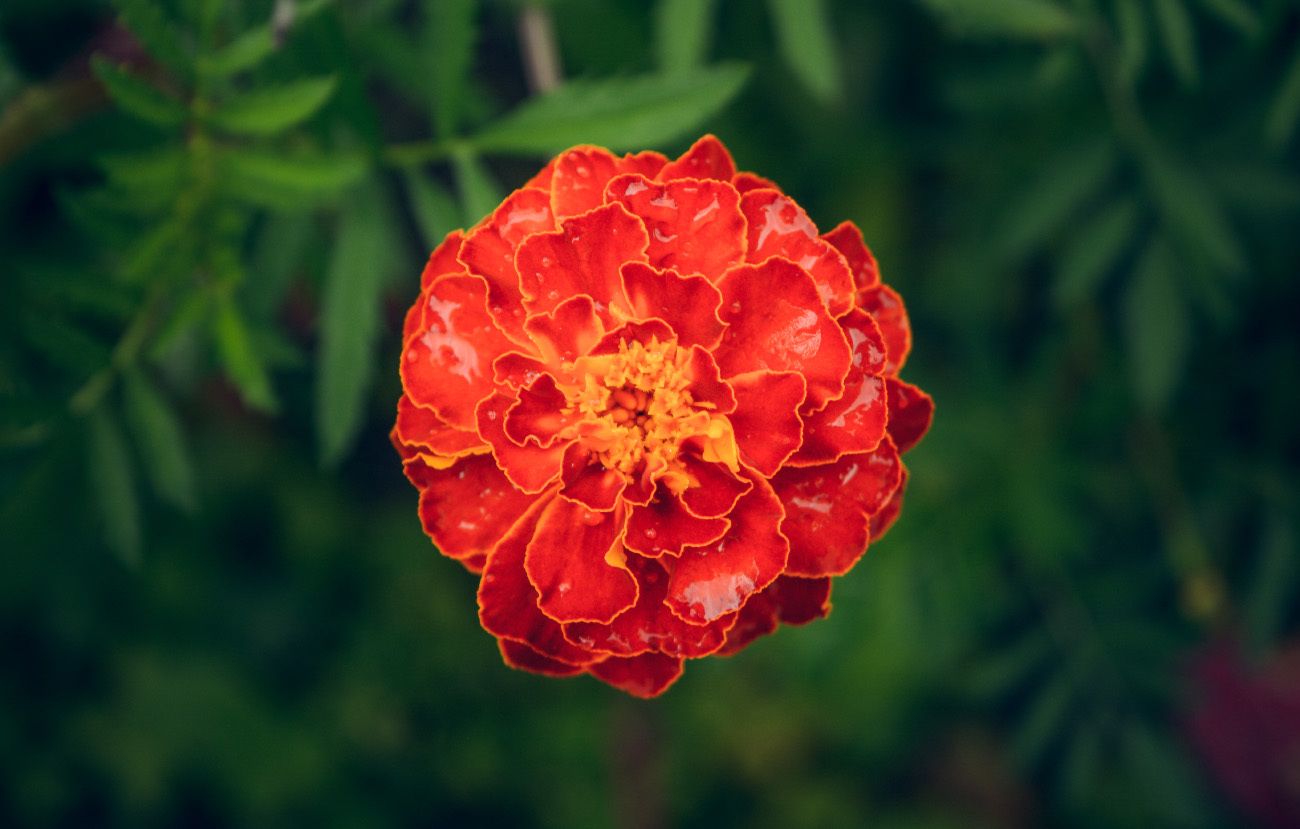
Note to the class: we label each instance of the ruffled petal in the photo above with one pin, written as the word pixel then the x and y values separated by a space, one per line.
pixel 579 176
pixel 790 600
pixel 665 526
pixel 447 364
pixel 687 303
pixel 507 600
pixel 886 308
pixel 538 414
pixel 566 333
pixel 779 227
pixel 582 257
pixel 642 332
pixel 847 239
pixel 717 488
pixel 693 226
pixel 910 413
pixel 776 321
pixel 707 387
pixel 518 655
pixel 529 467
pixel 576 561
pixel 853 423
pixel 420 426
pixel 648 626
pixel 708 582
pixel 588 482
pixel 468 506
pixel 514 370
pixel 745 182
pixel 828 509
pixel 489 251
pixel 883 520
pixel 647 675
pixel 442 262
pixel 766 420
pixel 706 159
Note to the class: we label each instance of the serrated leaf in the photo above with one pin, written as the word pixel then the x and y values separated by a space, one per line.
pixel 1013 19
pixel 435 211
pixel 1156 328
pixel 350 320
pixel 1069 179
pixel 1130 21
pixel 1191 211
pixel 479 192
pixel 807 45
pixel 285 182
pixel 137 96
pixel 242 364
pixel 1285 111
pixel 1179 38
pixel 147 21
pixel 618 113
pixel 449 39
pixel 112 483
pixel 273 109
pixel 1235 13
pixel 161 439
pixel 1093 251
pixel 683 31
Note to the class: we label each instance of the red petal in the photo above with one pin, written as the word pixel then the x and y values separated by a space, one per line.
pixel 649 626
pixel 693 226
pixel 910 413
pixel 886 308
pixel 766 420
pixel 514 370
pixel 448 361
pixel 645 676
pixel 529 467
pixel 779 227
pixel 853 423
pixel 744 182
pixel 583 257
pixel 566 562
pixel 507 601
pixel 490 251
pixel 718 488
pixel 468 506
pixel 538 414
pixel 580 175
pixel 566 333
pixel 665 526
pixel 708 582
pixel 791 600
pixel 542 181
pixel 828 509
pixel 420 426
pixel 589 483
pixel 883 520
pixel 776 321
pixel 441 262
pixel 706 159
pixel 642 332
pixel 847 239
pixel 869 350
pixel 687 303
pixel 518 655
pixel 707 386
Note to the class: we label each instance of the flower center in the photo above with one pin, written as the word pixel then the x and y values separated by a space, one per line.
pixel 635 411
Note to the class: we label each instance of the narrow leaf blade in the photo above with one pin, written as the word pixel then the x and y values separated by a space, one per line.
pixel 137 96
pixel 161 439
pixel 243 365
pixel 683 31
pixel 112 480
pixel 273 109
pixel 806 44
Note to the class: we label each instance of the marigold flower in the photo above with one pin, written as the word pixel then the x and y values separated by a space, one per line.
pixel 655 410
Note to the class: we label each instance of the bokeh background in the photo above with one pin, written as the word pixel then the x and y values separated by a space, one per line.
pixel 217 607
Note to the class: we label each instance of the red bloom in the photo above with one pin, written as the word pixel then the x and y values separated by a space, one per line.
pixel 655 410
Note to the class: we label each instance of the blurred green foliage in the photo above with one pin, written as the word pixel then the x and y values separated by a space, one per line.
pixel 213 214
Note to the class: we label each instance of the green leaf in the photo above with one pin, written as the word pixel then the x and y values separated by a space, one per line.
pixel 449 38
pixel 1132 32
pixel 1156 328
pixel 273 109
pixel 156 253
pixel 1093 251
pixel 1193 214
pixel 147 21
pixel 161 439
pixel 1069 179
pixel 350 320
pixel 683 30
pixel 181 323
pixel 1285 111
pixel 618 113
pixel 806 43
pixel 65 344
pixel 243 365
pixel 1179 38
pixel 112 483
pixel 244 52
pixel 285 181
pixel 435 211
pixel 1236 14
pixel 283 241
pixel 150 179
pixel 479 191
pixel 1260 187
pixel 137 96
pixel 1012 19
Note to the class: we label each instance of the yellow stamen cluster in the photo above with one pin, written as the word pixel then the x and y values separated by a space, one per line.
pixel 636 411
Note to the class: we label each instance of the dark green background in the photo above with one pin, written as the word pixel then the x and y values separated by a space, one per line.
pixel 216 603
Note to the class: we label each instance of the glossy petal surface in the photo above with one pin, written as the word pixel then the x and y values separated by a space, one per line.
pixel 583 258
pixel 468 506
pixel 779 227
pixel 689 304
pixel 693 226
pixel 569 562
pixel 766 419
pixel 489 251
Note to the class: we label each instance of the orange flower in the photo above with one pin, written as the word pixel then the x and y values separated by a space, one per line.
pixel 655 410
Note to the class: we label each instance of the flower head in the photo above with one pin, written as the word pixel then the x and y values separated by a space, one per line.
pixel 655 410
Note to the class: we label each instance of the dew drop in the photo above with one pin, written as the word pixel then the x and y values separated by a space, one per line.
pixel 650 533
